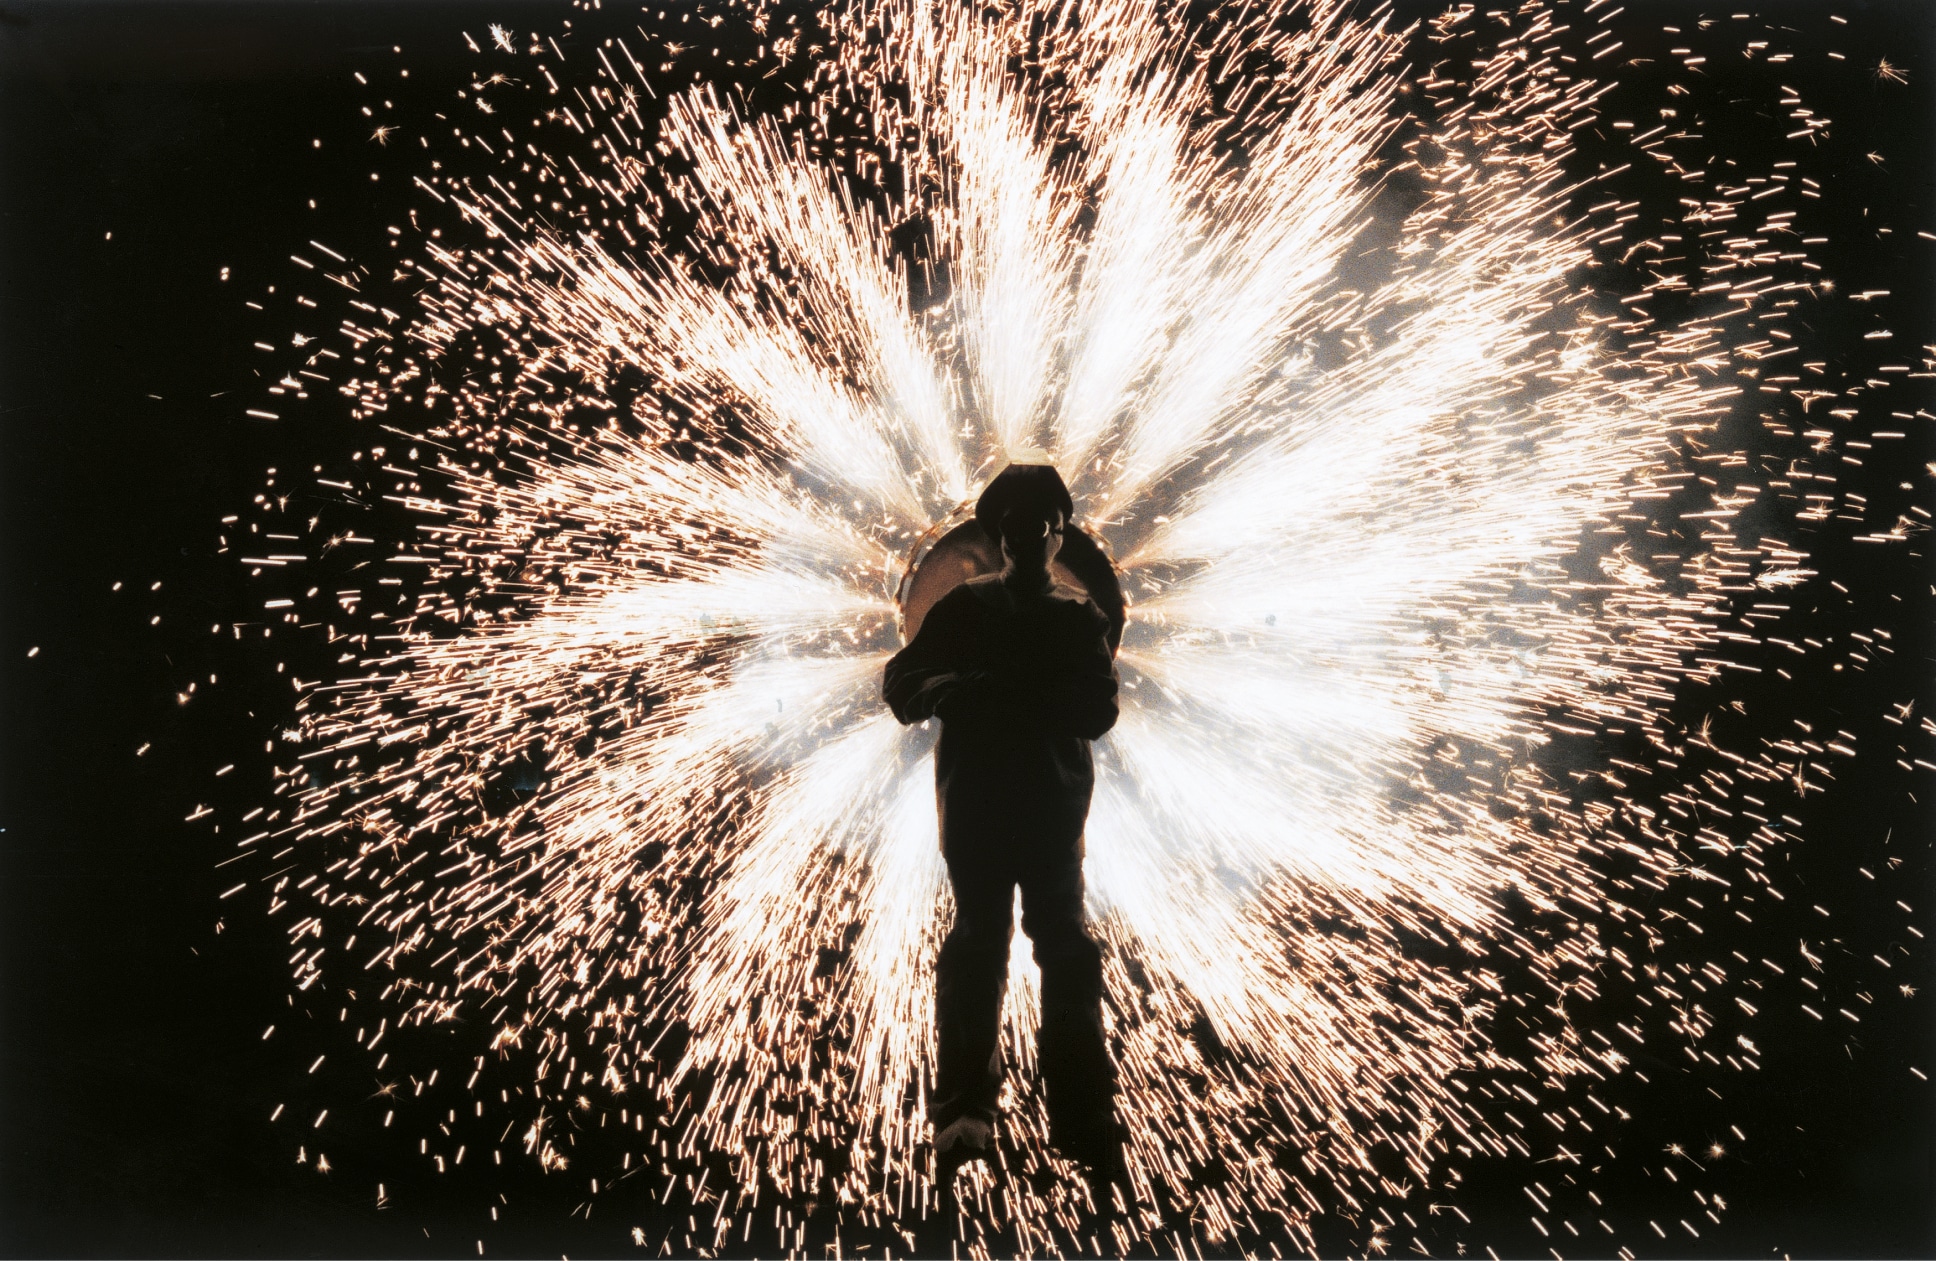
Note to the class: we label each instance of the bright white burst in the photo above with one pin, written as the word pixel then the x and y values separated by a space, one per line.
pixel 1360 453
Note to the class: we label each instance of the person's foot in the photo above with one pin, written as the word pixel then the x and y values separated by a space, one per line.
pixel 1105 1174
pixel 1098 1149
pixel 960 1141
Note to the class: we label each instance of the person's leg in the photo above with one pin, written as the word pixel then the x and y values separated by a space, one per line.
pixel 970 977
pixel 1077 1072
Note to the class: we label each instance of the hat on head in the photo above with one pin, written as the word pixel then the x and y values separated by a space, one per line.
pixel 1036 486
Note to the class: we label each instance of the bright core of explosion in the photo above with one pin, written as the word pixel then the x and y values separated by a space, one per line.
pixel 1352 463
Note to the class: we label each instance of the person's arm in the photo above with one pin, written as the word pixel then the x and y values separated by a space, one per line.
pixel 921 677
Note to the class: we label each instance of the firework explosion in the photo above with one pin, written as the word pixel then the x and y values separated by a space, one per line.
pixel 1413 446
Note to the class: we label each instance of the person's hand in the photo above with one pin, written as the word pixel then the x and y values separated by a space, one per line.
pixel 971 691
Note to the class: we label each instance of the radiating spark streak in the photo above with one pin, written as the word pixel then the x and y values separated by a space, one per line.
pixel 892 955
pixel 1281 231
pixel 1013 291
pixel 1132 283
pixel 835 247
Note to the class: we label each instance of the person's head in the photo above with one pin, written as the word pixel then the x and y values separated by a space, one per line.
pixel 1024 511
pixel 1031 537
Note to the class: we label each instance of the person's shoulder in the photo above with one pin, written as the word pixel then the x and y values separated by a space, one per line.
pixel 986 591
pixel 960 603
pixel 1068 593
pixel 953 599
pixel 1075 604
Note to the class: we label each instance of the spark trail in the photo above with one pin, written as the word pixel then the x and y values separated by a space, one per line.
pixel 1397 487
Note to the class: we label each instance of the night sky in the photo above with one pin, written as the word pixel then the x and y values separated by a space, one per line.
pixel 150 146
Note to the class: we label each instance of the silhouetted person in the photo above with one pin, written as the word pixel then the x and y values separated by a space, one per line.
pixel 1018 669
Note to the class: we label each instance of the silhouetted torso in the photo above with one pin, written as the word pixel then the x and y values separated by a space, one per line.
pixel 1022 684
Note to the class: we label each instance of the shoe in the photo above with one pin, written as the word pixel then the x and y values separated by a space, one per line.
pixel 1098 1148
pixel 1105 1172
pixel 962 1140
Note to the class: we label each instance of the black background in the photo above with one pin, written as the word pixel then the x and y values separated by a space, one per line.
pixel 135 1086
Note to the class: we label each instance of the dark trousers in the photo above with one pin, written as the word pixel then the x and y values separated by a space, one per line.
pixel 985 865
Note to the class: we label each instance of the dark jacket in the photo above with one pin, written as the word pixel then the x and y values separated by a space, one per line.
pixel 1021 688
